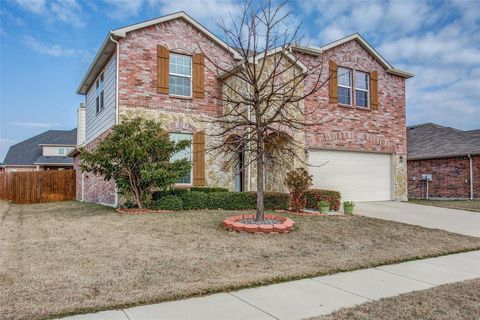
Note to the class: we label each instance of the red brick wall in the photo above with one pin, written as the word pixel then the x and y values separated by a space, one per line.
pixel 354 128
pixel 450 177
pixel 138 67
pixel 95 188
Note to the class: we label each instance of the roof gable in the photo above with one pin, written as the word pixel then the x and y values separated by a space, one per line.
pixel 108 45
pixel 28 151
pixel 356 37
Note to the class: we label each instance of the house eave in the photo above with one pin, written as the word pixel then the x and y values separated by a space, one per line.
pixel 441 156
pixel 313 50
pixel 100 60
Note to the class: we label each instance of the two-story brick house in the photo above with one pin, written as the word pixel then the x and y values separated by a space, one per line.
pixel 155 70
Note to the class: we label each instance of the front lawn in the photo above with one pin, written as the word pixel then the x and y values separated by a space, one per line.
pixel 451 301
pixel 470 205
pixel 70 257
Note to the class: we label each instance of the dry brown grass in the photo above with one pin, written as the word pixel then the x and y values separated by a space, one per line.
pixel 70 257
pixel 454 301
pixel 470 205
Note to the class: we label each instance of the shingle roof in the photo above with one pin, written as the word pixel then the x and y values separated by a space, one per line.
pixel 27 152
pixel 54 160
pixel 430 140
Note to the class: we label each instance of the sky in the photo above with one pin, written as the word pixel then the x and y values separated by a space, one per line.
pixel 46 47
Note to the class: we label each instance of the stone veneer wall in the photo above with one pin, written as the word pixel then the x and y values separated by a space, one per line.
pixel 356 129
pixel 450 178
pixel 95 188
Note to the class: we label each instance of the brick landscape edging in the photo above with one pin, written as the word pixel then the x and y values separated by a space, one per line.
pixel 233 223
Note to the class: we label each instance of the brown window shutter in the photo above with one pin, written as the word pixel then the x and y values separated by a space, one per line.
pixel 163 65
pixel 199 158
pixel 374 90
pixel 333 82
pixel 198 75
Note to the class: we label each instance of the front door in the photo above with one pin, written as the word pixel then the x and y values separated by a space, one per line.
pixel 239 173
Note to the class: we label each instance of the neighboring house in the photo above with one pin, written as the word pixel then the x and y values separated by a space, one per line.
pixel 155 70
pixel 450 157
pixel 46 151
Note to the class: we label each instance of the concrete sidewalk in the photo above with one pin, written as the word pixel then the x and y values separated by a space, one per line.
pixel 309 297
pixel 458 221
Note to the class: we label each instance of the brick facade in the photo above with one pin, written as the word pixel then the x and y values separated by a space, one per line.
pixel 450 178
pixel 338 127
pixel 138 68
pixel 357 129
pixel 91 187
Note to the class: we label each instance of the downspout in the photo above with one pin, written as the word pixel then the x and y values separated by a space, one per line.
pixel 249 160
pixel 117 67
pixel 471 176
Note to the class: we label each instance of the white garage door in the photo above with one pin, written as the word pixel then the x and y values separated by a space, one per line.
pixel 359 176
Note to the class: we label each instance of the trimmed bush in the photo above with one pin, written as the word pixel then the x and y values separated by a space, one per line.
pixel 209 189
pixel 314 196
pixel 157 195
pixel 194 200
pixel 169 202
pixel 231 200
pixel 274 200
pixel 226 200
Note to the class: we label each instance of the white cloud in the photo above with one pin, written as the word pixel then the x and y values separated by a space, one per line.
pixel 66 11
pixel 48 49
pixel 34 124
pixel 34 6
pixel 121 9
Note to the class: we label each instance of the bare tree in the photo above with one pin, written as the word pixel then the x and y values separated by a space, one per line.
pixel 263 91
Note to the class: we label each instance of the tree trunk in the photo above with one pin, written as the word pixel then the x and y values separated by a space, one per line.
pixel 136 192
pixel 260 215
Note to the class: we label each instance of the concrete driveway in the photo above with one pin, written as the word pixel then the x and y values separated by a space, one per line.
pixel 458 221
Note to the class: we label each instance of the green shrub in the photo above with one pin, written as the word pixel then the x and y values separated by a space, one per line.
pixel 274 200
pixel 349 204
pixel 157 195
pixel 209 189
pixel 194 200
pixel 323 204
pixel 316 195
pixel 231 200
pixel 169 202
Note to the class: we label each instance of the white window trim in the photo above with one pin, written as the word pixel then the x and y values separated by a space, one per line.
pixel 347 87
pixel 353 88
pixel 364 90
pixel 183 184
pixel 98 92
pixel 182 76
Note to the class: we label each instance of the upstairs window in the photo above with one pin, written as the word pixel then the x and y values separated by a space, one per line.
pixel 61 151
pixel 353 87
pixel 99 89
pixel 180 75
pixel 344 86
pixel 361 89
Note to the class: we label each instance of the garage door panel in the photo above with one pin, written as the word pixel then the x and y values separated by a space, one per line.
pixel 359 176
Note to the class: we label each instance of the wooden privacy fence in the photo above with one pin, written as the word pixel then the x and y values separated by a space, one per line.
pixel 37 186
